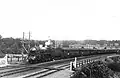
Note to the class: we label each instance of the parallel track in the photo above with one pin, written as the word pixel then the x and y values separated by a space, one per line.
pixel 49 70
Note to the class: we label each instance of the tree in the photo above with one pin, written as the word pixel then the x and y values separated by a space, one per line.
pixel 0 36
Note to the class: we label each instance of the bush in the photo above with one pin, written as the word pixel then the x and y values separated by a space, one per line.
pixel 116 59
pixel 94 70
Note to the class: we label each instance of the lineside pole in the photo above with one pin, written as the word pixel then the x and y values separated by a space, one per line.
pixel 75 63
pixel 29 42
pixel 71 66
pixel 22 45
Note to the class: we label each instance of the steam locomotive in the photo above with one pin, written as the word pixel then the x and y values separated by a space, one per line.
pixel 37 55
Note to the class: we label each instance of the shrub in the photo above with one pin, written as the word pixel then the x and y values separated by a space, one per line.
pixel 94 70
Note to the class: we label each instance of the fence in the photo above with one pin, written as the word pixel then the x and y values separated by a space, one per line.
pixel 16 58
pixel 79 64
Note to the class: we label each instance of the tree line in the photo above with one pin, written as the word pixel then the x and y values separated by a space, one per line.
pixel 14 45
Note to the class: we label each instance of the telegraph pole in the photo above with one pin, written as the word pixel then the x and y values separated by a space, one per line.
pixel 23 45
pixel 23 35
pixel 29 42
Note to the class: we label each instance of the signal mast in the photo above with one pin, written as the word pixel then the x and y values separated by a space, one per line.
pixel 23 42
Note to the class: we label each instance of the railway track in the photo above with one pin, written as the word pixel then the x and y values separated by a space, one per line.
pixel 37 70
pixel 40 70
pixel 48 71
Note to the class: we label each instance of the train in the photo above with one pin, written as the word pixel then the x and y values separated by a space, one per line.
pixel 37 55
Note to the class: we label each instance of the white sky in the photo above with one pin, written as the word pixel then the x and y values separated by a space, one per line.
pixel 61 19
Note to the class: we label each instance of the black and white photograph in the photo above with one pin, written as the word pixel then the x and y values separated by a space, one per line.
pixel 59 39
